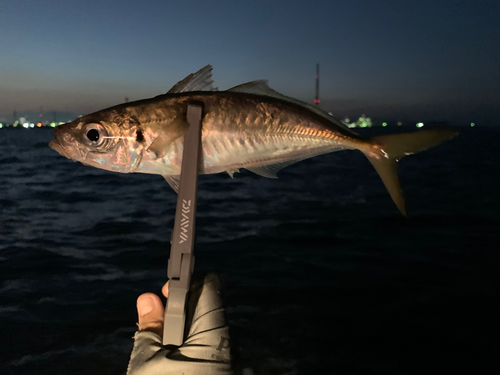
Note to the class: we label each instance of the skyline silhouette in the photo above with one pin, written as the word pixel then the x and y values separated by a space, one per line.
pixel 421 60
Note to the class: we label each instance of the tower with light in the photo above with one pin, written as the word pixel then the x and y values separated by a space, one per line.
pixel 316 99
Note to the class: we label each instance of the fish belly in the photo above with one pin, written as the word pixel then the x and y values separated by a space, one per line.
pixel 234 151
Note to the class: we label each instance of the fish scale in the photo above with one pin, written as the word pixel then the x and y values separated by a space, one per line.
pixel 229 149
pixel 248 126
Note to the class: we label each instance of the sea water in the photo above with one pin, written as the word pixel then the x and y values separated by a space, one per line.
pixel 321 273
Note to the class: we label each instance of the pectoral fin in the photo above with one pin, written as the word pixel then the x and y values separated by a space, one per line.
pixel 176 128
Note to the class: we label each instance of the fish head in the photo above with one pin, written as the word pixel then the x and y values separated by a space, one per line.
pixel 110 142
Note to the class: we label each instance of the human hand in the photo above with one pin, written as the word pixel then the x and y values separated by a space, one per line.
pixel 206 347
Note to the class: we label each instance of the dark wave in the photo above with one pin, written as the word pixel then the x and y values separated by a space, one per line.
pixel 321 272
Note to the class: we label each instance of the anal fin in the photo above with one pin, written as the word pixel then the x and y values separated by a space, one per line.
pixel 271 170
pixel 173 181
pixel 231 172
pixel 265 171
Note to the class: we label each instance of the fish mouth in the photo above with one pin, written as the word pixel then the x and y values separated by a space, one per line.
pixel 56 146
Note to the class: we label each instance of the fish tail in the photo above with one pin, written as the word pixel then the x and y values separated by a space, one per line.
pixel 386 150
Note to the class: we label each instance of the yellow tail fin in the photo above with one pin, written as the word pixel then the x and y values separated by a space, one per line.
pixel 387 150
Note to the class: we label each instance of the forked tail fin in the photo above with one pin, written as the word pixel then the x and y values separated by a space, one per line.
pixel 387 150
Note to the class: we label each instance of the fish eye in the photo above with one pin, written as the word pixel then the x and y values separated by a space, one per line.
pixel 94 134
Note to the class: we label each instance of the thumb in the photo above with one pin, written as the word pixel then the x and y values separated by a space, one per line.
pixel 150 311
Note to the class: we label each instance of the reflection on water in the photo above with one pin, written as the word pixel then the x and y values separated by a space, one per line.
pixel 321 272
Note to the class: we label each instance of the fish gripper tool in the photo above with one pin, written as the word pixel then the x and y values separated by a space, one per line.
pixel 181 261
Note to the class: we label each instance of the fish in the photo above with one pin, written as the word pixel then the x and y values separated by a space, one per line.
pixel 249 126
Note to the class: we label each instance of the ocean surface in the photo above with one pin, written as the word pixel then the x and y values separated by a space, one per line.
pixel 321 273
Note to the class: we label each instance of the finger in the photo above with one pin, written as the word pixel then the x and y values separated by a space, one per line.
pixel 164 290
pixel 150 311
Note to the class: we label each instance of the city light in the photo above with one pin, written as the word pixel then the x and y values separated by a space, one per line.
pixel 400 123
pixel 420 124
pixel 26 124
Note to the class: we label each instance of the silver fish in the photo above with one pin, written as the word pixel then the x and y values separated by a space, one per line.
pixel 248 126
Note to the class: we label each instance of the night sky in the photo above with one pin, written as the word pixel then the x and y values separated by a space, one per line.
pixel 415 60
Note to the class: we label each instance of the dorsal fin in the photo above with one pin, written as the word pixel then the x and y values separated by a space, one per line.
pixel 256 87
pixel 199 81
pixel 261 88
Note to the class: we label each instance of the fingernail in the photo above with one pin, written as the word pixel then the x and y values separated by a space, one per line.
pixel 145 305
